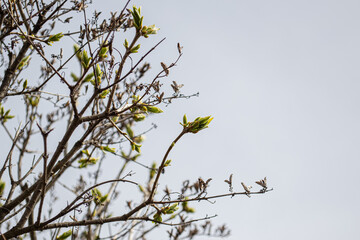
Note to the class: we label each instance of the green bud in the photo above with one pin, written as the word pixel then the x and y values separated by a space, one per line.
pixel 139 139
pixel 186 208
pixel 103 198
pixel 84 162
pixel 107 149
pixel 141 188
pixel 33 100
pixel 23 62
pixel 139 117
pixel 74 77
pixel 153 109
pixel 135 49
pixel 77 51
pixel 153 170
pixel 103 94
pixel 171 209
pixel 184 119
pixel 65 235
pixel 138 19
pixel 198 124
pixel 25 84
pixel 2 187
pixel 157 217
pixel 167 163
pixel 103 51
pixel 126 44
pixel 129 131
pixel 85 59
pixel 54 38
pixel 86 152
pixel 88 77
pixel 147 30
pixel 98 74
pixel 135 147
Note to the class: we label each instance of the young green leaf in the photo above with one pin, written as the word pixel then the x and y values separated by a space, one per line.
pixel 23 62
pixel 126 44
pixel 86 152
pixel 135 49
pixel 25 84
pixel 85 59
pixel 65 235
pixel 153 170
pixel 89 77
pixel 104 93
pixel 2 187
pixel 78 52
pixel 153 109
pixel 107 149
pixel 54 38
pixel 129 131
pixel 157 217
pixel 102 53
pixel 139 117
pixel 167 163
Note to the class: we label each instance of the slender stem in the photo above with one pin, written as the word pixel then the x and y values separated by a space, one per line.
pixel 162 165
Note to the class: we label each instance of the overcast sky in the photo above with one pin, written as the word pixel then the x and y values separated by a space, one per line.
pixel 281 79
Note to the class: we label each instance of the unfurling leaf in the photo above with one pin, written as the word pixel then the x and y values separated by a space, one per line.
pixel 78 52
pixel 126 44
pixel 153 170
pixel 139 117
pixel 23 62
pixel 167 163
pixel 147 30
pixel 88 77
pixel 74 77
pixel 98 74
pixel 86 152
pixel 129 131
pixel 171 209
pixel 139 139
pixel 103 94
pixel 157 217
pixel 54 38
pixel 138 19
pixel 186 208
pixel 107 149
pixel 4 115
pixel 135 147
pixel 84 162
pixel 135 49
pixel 25 84
pixel 185 119
pixel 102 53
pixel 141 188
pixel 33 100
pixel 98 197
pixel 153 109
pixel 198 124
pixel 2 187
pixel 85 59
pixel 65 235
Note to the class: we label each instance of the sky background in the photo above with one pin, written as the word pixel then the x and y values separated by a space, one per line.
pixel 281 79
